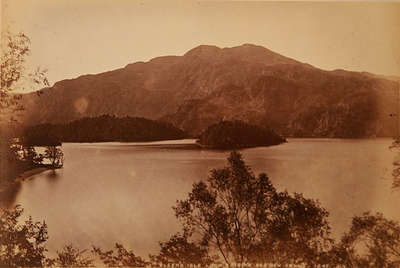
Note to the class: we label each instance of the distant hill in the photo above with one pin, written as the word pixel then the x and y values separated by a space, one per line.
pixel 102 129
pixel 237 134
pixel 209 84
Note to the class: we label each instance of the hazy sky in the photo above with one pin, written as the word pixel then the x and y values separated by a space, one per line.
pixel 75 37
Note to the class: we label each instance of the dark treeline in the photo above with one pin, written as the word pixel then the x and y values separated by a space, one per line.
pixel 102 129
pixel 237 134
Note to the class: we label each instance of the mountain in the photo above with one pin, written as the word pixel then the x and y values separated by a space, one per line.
pixel 209 84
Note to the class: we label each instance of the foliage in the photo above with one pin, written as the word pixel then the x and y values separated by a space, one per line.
pixel 21 244
pixel 16 158
pixel 101 129
pixel 178 249
pixel 14 77
pixel 55 155
pixel 14 51
pixel 238 134
pixel 70 256
pixel 121 257
pixel 396 163
pixel 246 219
pixel 371 241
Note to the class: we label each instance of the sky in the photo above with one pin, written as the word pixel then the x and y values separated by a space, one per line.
pixel 70 38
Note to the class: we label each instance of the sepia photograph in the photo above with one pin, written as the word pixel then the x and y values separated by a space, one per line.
pixel 200 134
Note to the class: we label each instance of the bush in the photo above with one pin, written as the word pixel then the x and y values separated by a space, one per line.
pixel 21 244
pixel 245 219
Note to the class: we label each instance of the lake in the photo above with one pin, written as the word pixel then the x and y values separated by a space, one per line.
pixel 124 192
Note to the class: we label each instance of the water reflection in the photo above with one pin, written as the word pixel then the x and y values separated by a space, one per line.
pixel 8 198
pixel 53 175
pixel 116 192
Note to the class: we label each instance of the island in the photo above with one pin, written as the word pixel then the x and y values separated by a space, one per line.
pixel 237 134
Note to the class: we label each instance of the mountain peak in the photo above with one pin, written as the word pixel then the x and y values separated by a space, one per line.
pixel 203 50
pixel 248 45
pixel 246 52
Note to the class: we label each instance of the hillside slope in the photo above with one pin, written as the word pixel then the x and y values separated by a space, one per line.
pixel 209 84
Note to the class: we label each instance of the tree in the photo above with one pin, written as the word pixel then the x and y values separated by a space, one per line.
pixel 122 257
pixel 179 250
pixel 55 155
pixel 245 219
pixel 14 51
pixel 70 256
pixel 14 75
pixel 21 244
pixel 371 241
pixel 396 163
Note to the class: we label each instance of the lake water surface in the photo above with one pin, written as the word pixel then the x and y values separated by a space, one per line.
pixel 123 192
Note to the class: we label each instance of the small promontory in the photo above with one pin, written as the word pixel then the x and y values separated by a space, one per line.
pixel 105 128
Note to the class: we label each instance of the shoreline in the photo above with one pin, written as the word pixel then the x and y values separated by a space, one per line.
pixel 29 173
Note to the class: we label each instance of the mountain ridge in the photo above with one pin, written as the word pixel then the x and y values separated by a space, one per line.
pixel 209 84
